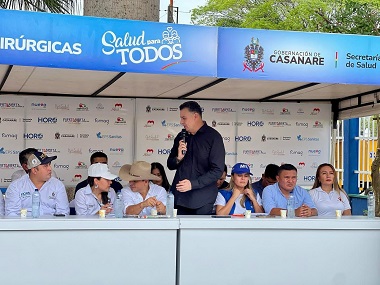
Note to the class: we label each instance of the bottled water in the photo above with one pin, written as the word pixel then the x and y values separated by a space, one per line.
pixel 119 205
pixel 371 204
pixel 170 204
pixel 290 207
pixel 36 204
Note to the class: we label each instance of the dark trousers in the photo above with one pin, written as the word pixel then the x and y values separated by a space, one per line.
pixel 204 210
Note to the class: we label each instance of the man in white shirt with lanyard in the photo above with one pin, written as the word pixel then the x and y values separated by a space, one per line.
pixel 52 191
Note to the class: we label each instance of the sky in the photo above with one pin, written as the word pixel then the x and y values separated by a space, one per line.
pixel 184 7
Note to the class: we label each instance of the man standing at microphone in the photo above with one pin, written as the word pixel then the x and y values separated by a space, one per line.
pixel 198 156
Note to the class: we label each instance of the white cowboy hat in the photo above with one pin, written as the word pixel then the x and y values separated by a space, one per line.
pixel 139 170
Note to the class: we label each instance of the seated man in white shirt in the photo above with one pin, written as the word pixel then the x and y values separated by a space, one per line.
pixel 141 195
pixel 52 191
pixel 23 159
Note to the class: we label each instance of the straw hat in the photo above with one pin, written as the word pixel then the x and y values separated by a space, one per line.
pixel 139 170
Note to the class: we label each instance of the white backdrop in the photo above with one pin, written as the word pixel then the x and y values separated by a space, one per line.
pixel 72 129
pixel 254 133
pixel 144 129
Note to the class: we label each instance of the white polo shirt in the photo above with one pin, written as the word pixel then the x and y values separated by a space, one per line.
pixel 52 194
pixel 327 203
pixel 86 204
pixel 131 198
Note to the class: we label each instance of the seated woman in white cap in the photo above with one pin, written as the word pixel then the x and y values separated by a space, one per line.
pixel 141 195
pixel 239 197
pixel 97 195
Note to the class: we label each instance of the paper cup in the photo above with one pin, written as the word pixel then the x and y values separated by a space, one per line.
pixel 338 213
pixel 153 212
pixel 247 214
pixel 174 213
pixel 283 214
pixel 23 213
pixel 102 214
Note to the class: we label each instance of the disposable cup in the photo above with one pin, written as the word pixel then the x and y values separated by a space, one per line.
pixel 102 214
pixel 283 214
pixel 338 213
pixel 174 213
pixel 23 213
pixel 153 212
pixel 247 214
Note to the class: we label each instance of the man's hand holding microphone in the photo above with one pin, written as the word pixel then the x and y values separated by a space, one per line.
pixel 183 185
pixel 182 147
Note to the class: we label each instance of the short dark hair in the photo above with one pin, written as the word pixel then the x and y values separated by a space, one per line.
pixel 286 166
pixel 271 171
pixel 192 106
pixel 23 156
pixel 97 154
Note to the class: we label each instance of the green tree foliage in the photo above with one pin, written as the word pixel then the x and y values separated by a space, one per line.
pixel 344 16
pixel 54 6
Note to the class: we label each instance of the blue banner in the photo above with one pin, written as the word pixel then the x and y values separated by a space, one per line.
pixel 77 42
pixel 298 56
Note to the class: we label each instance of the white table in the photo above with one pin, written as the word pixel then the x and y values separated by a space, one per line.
pixel 81 251
pixel 274 251
pixel 89 250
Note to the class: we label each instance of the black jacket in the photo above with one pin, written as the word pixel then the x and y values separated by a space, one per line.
pixel 203 165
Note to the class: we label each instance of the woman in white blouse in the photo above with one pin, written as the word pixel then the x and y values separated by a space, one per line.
pixel 97 195
pixel 326 193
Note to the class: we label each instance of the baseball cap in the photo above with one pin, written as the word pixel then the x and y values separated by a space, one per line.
pixel 100 170
pixel 241 168
pixel 38 158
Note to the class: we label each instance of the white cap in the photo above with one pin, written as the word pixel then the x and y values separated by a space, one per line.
pixel 100 170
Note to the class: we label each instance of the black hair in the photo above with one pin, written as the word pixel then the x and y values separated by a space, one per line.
pixel 192 106
pixel 91 182
pixel 286 166
pixel 160 167
pixel 23 156
pixel 271 171
pixel 97 154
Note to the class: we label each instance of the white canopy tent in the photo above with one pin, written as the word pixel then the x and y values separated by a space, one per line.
pixel 350 100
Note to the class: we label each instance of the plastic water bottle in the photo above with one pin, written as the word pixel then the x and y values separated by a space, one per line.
pixel 119 205
pixel 170 204
pixel 36 204
pixel 371 204
pixel 290 207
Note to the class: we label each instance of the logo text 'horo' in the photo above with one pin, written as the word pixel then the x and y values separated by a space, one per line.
pixel 137 49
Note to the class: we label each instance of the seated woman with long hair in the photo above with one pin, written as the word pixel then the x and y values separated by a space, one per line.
pixel 239 197
pixel 326 193
pixel 158 170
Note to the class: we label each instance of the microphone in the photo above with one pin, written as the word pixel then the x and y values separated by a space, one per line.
pixel 183 135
